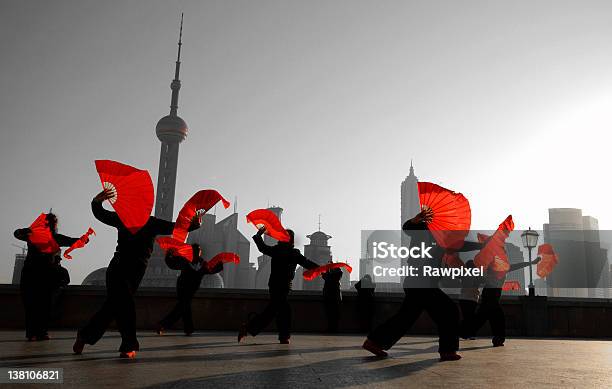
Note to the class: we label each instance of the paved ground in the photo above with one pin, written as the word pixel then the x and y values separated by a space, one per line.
pixel 212 360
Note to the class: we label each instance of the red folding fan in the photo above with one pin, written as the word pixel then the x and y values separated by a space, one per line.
pixel 176 247
pixel 494 251
pixel 311 274
pixel 452 215
pixel 133 200
pixel 511 285
pixel 268 219
pixel 42 237
pixel 81 242
pixel 222 258
pixel 548 262
pixel 198 204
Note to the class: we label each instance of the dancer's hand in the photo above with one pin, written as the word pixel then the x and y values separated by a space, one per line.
pixel 261 231
pixel 106 194
pixel 196 222
pixel 535 261
pixel 425 216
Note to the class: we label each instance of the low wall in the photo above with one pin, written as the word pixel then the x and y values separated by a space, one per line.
pixel 225 309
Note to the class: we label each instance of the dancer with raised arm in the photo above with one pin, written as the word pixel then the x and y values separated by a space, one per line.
pixel 422 294
pixel 284 260
pixel 40 276
pixel 123 276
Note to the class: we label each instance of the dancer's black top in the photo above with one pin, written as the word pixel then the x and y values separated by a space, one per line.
pixel 192 273
pixel 34 255
pixel 332 281
pixel 284 260
pixel 138 246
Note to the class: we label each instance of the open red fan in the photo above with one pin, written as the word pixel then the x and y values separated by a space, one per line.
pixel 267 218
pixel 222 258
pixel 452 215
pixel 133 200
pixel 494 251
pixel 198 204
pixel 548 262
pixel 42 237
pixel 81 242
pixel 511 285
pixel 311 274
pixel 177 247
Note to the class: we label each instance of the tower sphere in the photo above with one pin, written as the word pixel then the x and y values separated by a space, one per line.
pixel 171 129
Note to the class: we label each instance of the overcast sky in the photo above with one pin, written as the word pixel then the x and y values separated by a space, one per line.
pixel 316 106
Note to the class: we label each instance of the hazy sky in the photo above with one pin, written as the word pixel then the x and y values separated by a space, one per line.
pixel 316 106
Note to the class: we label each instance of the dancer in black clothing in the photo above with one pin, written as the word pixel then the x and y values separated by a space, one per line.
pixel 422 294
pixel 187 285
pixel 468 302
pixel 123 276
pixel 489 309
pixel 284 260
pixel 365 295
pixel 40 280
pixel 332 297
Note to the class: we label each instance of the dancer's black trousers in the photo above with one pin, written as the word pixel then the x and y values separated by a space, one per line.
pixel 437 304
pixel 277 307
pixel 122 281
pixel 490 309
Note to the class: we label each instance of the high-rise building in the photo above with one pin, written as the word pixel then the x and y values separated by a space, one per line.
pixel 583 263
pixel 224 236
pixel 263 261
pixel 171 131
pixel 409 194
pixel 19 260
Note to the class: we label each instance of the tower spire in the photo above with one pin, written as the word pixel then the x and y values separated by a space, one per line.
pixel 176 83
pixel 319 222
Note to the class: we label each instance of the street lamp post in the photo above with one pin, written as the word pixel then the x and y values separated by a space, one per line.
pixel 530 240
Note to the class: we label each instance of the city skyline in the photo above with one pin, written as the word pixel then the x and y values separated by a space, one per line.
pixel 274 106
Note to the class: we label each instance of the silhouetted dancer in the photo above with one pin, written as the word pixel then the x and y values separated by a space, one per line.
pixel 490 309
pixel 40 279
pixel 365 301
pixel 187 285
pixel 123 276
pixel 422 294
pixel 332 297
pixel 284 259
pixel 468 302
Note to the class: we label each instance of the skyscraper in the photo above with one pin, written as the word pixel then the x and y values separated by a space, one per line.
pixel 171 131
pixel 19 261
pixel 224 236
pixel 583 263
pixel 410 204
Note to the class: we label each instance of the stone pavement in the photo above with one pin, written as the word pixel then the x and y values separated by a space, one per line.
pixel 215 360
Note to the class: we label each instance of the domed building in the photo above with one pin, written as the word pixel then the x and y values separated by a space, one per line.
pixel 95 278
pixel 212 281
